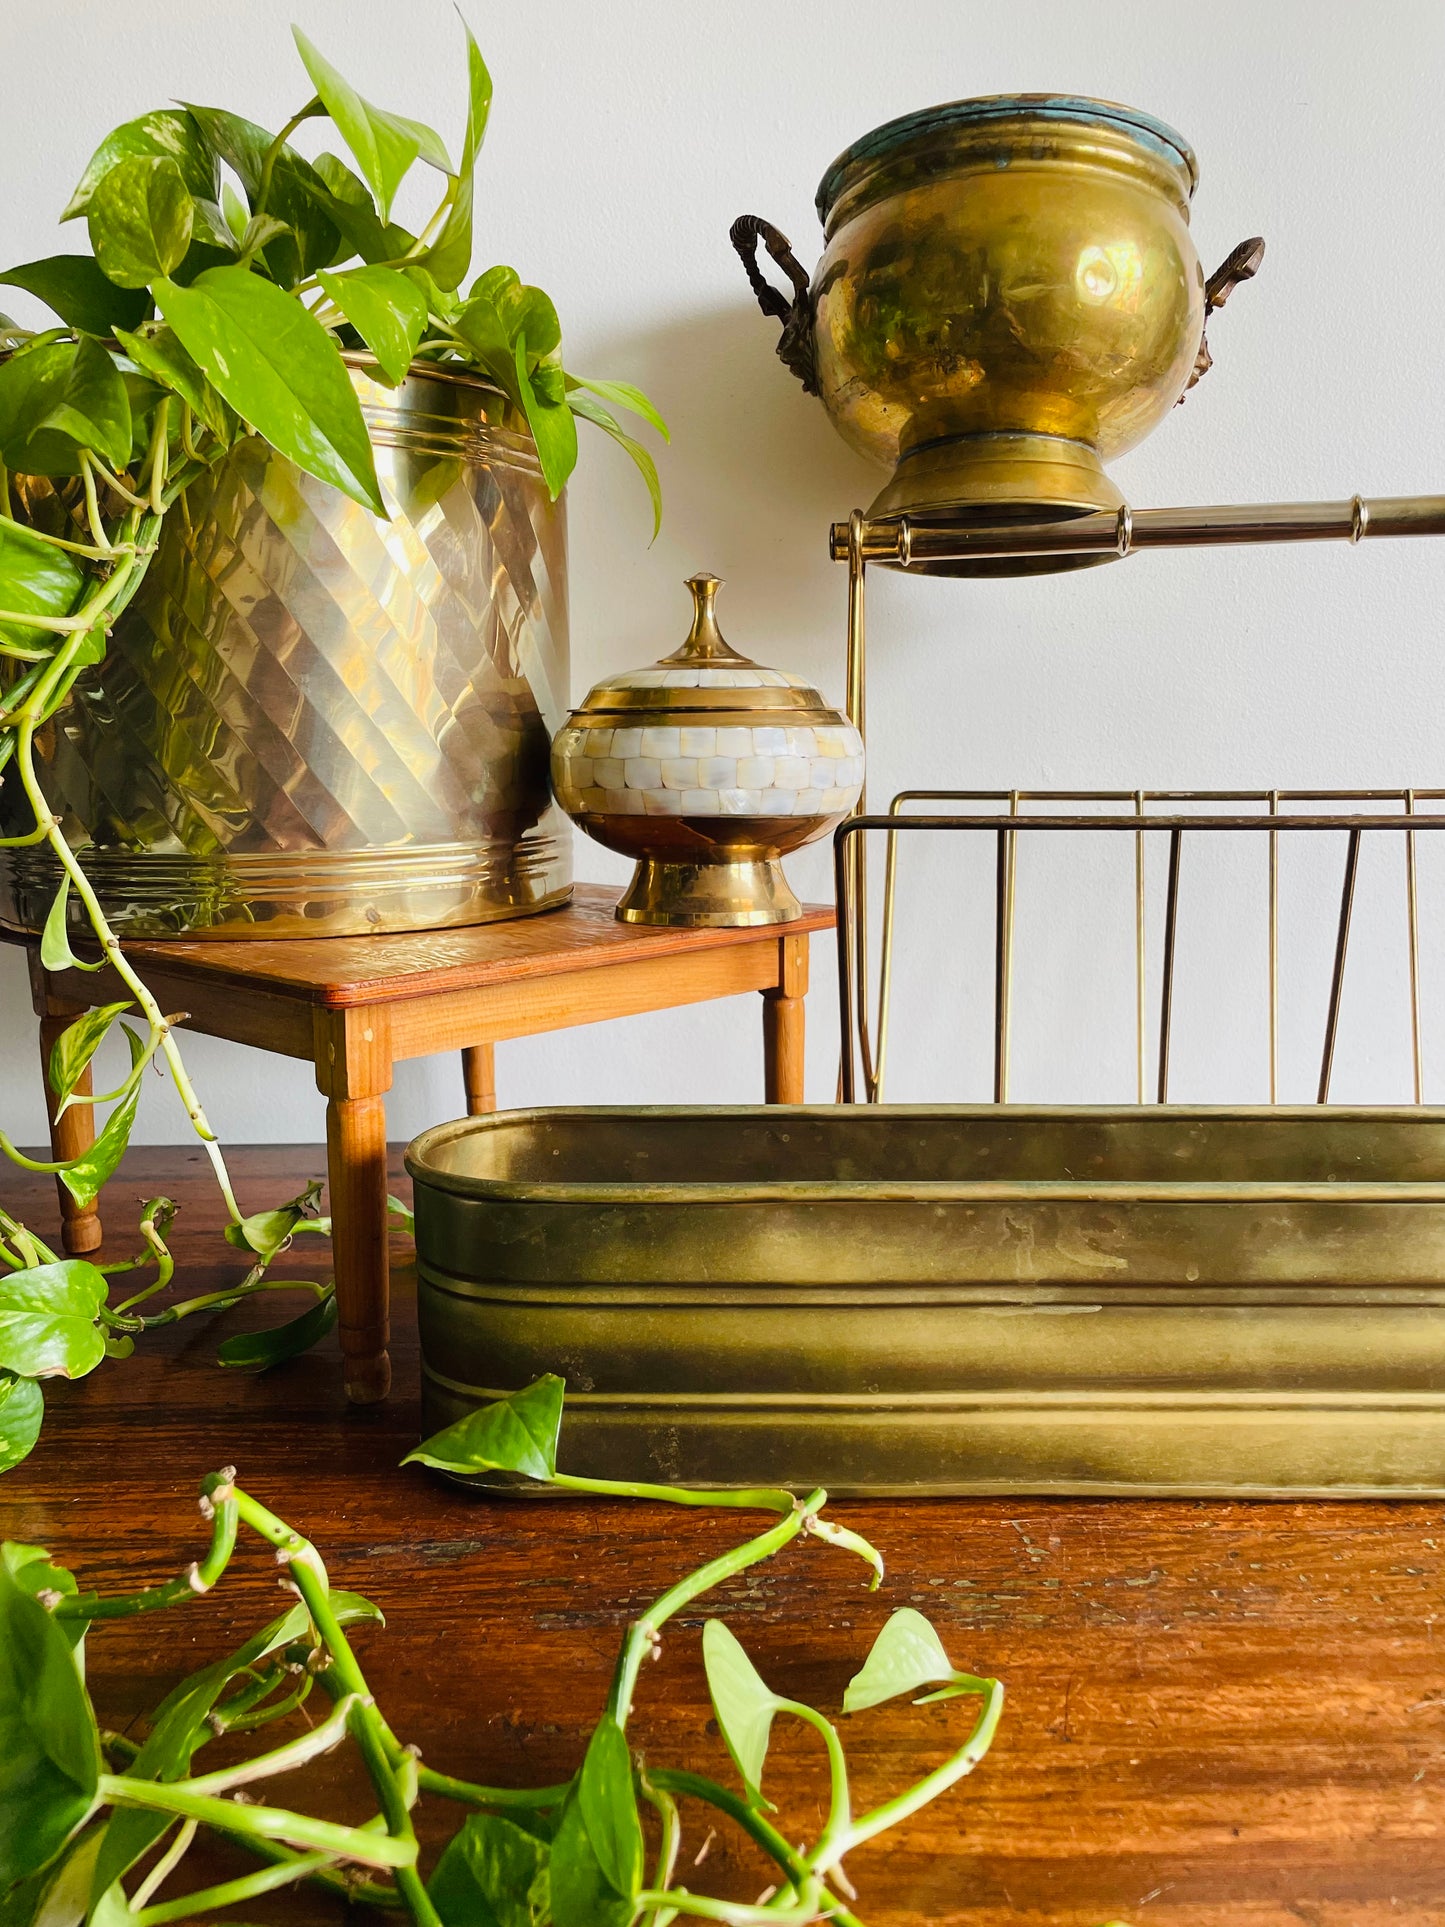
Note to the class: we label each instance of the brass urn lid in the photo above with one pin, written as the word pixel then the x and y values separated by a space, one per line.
pixel 706 676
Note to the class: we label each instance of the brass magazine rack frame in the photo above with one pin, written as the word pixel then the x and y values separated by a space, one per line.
pixel 864 1027
pixel 958 547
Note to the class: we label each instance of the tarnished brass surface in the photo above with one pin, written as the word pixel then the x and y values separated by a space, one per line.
pixel 311 722
pixel 952 1299
pixel 706 769
pixel 1008 297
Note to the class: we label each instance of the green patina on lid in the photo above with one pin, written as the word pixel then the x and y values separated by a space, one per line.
pixel 1065 108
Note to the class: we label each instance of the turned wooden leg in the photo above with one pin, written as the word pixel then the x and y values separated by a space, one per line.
pixel 75 1131
pixel 783 1010
pixel 479 1075
pixel 70 1134
pixel 353 1069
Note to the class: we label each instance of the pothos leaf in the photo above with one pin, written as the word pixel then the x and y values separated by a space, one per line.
pixel 47 1319
pixel 744 1705
pixel 386 310
pixel 513 1434
pixel 622 394
pixel 580 1892
pixel 141 217
pixel 479 102
pixel 74 287
pixel 55 950
pixel 169 133
pixel 594 412
pixel 553 426
pixel 36 578
pixel 907 1654
pixel 384 144
pixel 313 238
pixel 57 399
pixel 77 1044
pixel 264 1232
pixel 609 1807
pixel 33 1570
pixel 492 1873
pixel 22 1407
pixel 259 1351
pixel 166 361
pixel 85 1177
pixel 278 368
pixel 49 1747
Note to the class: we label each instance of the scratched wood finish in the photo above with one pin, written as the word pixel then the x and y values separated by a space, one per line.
pixel 1219 1715
pixel 340 971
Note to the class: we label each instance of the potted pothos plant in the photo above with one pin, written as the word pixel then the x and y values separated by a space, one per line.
pixel 228 279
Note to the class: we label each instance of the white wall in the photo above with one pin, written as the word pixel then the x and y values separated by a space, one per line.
pixel 624 140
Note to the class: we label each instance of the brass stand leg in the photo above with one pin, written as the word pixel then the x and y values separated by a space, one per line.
pixel 70 1134
pixel 783 1020
pixel 479 1076
pixel 353 1069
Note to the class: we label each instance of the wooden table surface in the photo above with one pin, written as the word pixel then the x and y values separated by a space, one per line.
pixel 1218 1713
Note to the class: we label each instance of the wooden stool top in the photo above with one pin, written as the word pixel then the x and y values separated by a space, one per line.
pixel 338 973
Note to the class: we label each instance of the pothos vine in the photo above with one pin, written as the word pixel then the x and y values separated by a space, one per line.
pixel 216 302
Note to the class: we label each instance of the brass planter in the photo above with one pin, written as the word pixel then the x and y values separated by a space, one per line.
pixel 312 722
pixel 960 1299
pixel 1008 297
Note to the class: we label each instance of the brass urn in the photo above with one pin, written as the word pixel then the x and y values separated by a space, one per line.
pixel 707 769
pixel 1008 297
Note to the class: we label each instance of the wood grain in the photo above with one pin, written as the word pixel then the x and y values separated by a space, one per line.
pixel 338 971
pixel 1219 1714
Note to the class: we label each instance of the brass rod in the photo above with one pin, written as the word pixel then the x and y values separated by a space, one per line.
pixel 885 964
pixel 1166 993
pixel 1140 956
pixel 843 897
pixel 1274 953
pixel 998 821
pixel 904 541
pixel 1003 963
pixel 1337 982
pixel 857 707
pixel 1413 911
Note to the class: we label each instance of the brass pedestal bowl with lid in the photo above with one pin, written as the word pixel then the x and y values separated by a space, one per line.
pixel 1008 297
pixel 706 769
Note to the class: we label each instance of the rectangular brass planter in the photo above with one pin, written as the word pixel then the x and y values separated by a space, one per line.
pixel 957 1299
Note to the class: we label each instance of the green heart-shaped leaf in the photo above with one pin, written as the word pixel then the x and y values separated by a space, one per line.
pixel 743 1703
pixel 49 1748
pixel 384 144
pixel 259 1351
pixel 492 1873
pixel 22 1409
pixel 74 287
pixel 85 1177
pixel 76 1046
pixel 513 1434
pixel 169 134
pixel 56 400
pixel 141 216
pixel 907 1654
pixel 166 361
pixel 36 578
pixel 47 1319
pixel 279 369
pixel 386 310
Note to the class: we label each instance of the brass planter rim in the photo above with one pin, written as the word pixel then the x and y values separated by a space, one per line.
pixel 421 370
pixel 422 1168
pixel 1077 110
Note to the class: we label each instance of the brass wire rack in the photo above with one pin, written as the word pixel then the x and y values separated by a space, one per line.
pixel 1004 816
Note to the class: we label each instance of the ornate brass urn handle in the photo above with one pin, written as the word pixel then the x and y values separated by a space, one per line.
pixel 1240 264
pixel 795 346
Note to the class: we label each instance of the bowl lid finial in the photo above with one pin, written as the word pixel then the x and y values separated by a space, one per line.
pixel 705 641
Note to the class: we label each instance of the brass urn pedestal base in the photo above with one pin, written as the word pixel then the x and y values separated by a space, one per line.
pixel 733 895
pixel 988 479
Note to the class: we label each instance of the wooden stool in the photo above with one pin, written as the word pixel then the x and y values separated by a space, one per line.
pixel 356 1005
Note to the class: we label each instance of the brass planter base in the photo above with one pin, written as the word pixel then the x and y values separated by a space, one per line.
pixel 715 896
